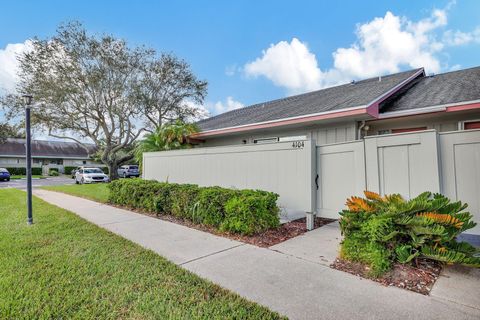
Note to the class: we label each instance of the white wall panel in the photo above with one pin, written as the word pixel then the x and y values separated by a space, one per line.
pixel 341 174
pixel 404 163
pixel 281 167
pixel 460 154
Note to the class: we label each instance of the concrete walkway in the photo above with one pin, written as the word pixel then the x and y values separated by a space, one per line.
pixel 319 246
pixel 292 278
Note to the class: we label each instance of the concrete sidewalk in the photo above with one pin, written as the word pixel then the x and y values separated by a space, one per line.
pixel 292 278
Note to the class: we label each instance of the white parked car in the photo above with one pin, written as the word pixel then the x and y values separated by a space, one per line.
pixel 90 175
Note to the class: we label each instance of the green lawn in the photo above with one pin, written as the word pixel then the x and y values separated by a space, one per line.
pixel 96 192
pixel 63 267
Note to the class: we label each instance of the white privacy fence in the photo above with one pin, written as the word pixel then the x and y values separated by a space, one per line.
pixel 284 168
pixel 460 168
pixel 406 163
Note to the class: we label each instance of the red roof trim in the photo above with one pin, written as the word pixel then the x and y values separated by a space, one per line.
pixel 412 113
pixel 463 107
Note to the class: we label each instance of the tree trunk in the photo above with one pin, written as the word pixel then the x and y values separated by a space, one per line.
pixel 112 170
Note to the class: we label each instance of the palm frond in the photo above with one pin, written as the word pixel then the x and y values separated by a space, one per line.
pixel 444 219
pixel 357 204
pixel 370 195
pixel 450 256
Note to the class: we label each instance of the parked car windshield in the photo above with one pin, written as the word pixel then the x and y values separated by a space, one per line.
pixel 133 167
pixel 3 170
pixel 92 170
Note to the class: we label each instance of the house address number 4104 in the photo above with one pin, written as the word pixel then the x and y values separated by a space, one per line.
pixel 298 144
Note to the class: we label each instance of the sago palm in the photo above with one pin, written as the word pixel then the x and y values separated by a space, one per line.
pixel 381 230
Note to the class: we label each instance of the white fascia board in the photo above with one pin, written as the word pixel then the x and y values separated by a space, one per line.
pixel 437 108
pixel 397 87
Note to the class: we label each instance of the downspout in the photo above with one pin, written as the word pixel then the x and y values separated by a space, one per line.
pixel 359 137
pixel 359 131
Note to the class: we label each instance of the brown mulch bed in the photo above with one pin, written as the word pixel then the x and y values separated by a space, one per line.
pixel 284 232
pixel 265 239
pixel 419 279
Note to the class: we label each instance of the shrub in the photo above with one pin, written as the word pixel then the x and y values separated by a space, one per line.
pixel 53 172
pixel 18 171
pixel 183 198
pixel 250 213
pixel 68 169
pixel 21 171
pixel 239 211
pixel 135 193
pixel 211 203
pixel 381 230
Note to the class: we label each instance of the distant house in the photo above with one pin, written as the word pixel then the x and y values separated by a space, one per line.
pixel 46 154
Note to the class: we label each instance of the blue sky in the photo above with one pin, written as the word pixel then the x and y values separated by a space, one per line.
pixel 254 51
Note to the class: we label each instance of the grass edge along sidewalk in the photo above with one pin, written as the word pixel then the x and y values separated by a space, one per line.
pixel 95 192
pixel 65 267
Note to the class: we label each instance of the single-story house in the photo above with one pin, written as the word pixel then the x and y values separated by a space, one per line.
pixel 401 102
pixel 46 154
pixel 402 133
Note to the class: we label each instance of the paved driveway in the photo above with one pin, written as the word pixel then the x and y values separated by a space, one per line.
pixel 22 183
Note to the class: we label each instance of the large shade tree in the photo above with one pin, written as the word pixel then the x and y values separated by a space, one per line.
pixel 10 131
pixel 169 91
pixel 98 89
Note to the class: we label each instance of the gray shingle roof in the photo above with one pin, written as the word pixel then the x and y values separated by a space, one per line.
pixel 334 98
pixel 40 148
pixel 446 88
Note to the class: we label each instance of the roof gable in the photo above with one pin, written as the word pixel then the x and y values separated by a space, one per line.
pixel 441 89
pixel 359 93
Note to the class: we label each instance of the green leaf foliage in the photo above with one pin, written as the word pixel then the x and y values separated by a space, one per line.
pixel 21 171
pixel 379 231
pixel 170 136
pixel 239 211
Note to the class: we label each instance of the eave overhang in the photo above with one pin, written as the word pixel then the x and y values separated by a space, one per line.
pixel 369 111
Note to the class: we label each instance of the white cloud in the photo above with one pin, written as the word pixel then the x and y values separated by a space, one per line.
pixel 201 109
pixel 214 108
pixel 9 64
pixel 221 107
pixel 289 65
pixel 387 44
pixel 458 38
pixel 455 67
pixel 384 45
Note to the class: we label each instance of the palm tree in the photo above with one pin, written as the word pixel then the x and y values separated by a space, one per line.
pixel 169 136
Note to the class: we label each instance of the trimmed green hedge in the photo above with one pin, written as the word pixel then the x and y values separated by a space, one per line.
pixel 21 171
pixel 68 169
pixel 240 211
